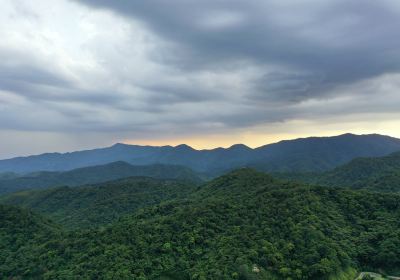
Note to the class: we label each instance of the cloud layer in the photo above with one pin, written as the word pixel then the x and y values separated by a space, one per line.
pixel 152 69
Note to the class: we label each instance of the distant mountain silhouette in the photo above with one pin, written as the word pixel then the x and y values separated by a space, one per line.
pixel 300 155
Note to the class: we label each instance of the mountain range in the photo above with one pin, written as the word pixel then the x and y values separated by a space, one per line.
pixel 300 155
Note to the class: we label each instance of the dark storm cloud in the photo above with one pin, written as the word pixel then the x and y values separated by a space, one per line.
pixel 39 83
pixel 286 87
pixel 340 42
pixel 169 93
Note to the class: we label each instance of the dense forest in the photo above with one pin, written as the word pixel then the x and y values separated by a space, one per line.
pixel 243 225
pixel 99 204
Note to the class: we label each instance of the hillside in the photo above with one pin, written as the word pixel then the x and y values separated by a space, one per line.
pixel 21 231
pixel 377 174
pixel 307 154
pixel 100 204
pixel 244 225
pixel 96 174
pixel 323 153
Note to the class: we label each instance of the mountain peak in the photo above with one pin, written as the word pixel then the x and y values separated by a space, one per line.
pixel 348 134
pixel 184 147
pixel 119 145
pixel 362 135
pixel 239 147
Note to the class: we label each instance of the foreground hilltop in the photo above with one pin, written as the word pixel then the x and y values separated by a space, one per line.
pixel 243 225
pixel 306 154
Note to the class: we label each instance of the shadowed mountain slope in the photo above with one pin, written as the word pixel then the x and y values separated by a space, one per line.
pixel 96 174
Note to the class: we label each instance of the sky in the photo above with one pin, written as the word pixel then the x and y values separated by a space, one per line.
pixel 82 74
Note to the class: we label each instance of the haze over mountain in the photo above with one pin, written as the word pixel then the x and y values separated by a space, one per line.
pixel 305 154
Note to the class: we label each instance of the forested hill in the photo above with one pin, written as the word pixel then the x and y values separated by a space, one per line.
pixel 19 229
pixel 95 174
pixel 244 225
pixel 307 154
pixel 378 174
pixel 94 205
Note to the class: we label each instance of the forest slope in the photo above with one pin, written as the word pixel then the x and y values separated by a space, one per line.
pixel 380 174
pixel 94 205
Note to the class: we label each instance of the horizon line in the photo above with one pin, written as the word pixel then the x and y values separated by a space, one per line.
pixel 197 149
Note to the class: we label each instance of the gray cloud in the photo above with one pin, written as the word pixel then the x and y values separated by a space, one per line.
pixel 341 41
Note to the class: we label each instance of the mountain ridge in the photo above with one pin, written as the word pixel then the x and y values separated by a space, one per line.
pixel 96 174
pixel 302 154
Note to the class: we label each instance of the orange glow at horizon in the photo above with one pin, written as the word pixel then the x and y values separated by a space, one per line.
pixel 258 136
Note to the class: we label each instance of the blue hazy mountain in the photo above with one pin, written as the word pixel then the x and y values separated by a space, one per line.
pixel 300 155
